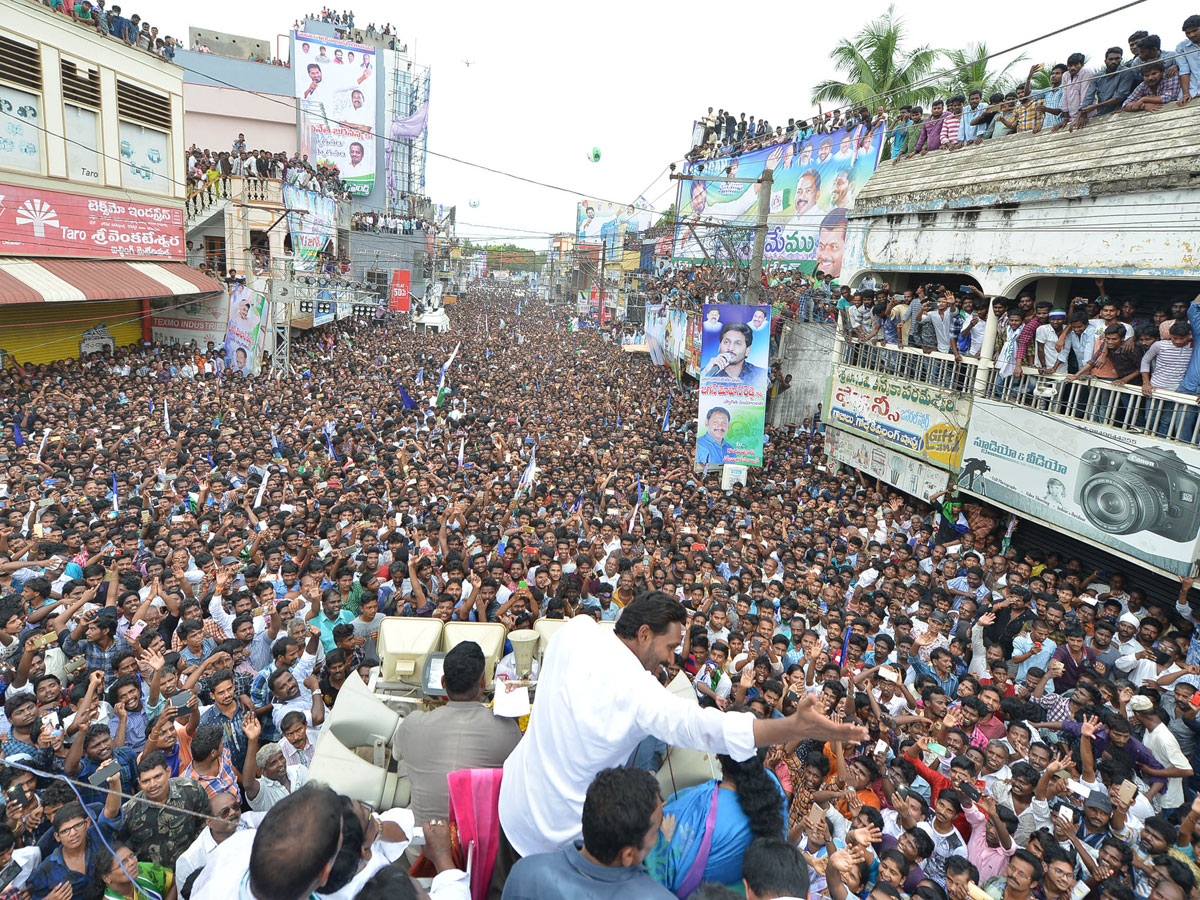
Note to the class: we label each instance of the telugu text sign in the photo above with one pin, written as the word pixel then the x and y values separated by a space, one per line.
pixel 914 418
pixel 34 222
pixel 910 475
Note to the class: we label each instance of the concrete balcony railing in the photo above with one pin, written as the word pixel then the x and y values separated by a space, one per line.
pixel 1165 414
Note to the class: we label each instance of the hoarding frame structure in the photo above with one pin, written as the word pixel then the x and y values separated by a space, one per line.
pixel 734 360
pixel 814 182
pixel 335 88
pixel 907 473
pixel 1134 495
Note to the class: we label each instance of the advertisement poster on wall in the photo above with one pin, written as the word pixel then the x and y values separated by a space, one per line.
pixel 733 382
pixel 1130 493
pixel 814 184
pixel 923 421
pixel 200 322
pixel 399 298
pixel 312 233
pixel 909 475
pixel 335 84
pixel 21 136
pixel 244 329
pixel 35 222
pixel 145 159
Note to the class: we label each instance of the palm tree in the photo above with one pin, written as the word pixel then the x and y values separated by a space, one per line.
pixel 879 70
pixel 968 71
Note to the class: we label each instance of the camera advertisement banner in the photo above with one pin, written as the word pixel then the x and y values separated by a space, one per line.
pixel 1132 494
pixel 733 380
pixel 910 475
pixel 922 421
pixel 813 186
pixel 335 84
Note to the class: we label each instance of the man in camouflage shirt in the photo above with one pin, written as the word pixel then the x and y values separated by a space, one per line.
pixel 156 833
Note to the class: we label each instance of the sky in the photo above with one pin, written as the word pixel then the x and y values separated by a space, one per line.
pixel 549 81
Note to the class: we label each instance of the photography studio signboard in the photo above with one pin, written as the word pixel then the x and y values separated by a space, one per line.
pixel 1131 494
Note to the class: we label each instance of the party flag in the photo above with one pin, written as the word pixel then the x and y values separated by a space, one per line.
pixel 18 438
pixel 409 402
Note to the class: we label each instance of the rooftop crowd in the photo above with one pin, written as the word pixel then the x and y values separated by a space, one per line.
pixel 110 22
pixel 1142 79
pixel 191 562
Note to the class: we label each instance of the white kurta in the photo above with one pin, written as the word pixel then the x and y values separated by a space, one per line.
pixel 595 703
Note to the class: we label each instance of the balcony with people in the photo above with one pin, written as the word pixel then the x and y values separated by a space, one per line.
pixel 1122 353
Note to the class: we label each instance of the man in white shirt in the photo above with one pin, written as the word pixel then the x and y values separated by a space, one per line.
pixel 582 724
pixel 224 822
pixel 1162 743
pixel 1047 358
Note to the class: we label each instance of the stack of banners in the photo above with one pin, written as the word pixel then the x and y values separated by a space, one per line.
pixel 244 330
pixel 312 221
pixel 1132 494
pixel 814 183
pixel 733 384
pixel 335 84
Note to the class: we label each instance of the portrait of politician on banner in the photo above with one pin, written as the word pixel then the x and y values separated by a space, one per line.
pixel 244 329
pixel 733 384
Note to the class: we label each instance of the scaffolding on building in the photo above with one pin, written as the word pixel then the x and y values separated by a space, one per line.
pixel 407 92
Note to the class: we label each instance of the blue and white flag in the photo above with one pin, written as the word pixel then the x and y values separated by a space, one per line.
pixel 166 419
pixel 446 366
pixel 116 501
pixel 18 438
pixel 420 374
pixel 407 401
pixel 461 446
pixel 667 417
pixel 528 476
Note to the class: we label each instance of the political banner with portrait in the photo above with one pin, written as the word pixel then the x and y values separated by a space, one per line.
pixel 244 329
pixel 814 183
pixel 312 223
pixel 335 84
pixel 609 223
pixel 733 383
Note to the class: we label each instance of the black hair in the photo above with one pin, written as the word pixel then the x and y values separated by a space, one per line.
pixel 389 883
pixel 155 759
pixel 463 669
pixel 206 739
pixel 617 811
pixel 656 609
pixel 311 817
pixel 345 864
pixel 772 867
pixel 757 794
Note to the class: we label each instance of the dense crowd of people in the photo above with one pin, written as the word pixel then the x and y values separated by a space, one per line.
pixel 1147 80
pixel 111 23
pixel 192 563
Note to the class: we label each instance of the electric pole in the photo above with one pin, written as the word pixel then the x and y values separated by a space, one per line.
pixel 754 288
pixel 764 182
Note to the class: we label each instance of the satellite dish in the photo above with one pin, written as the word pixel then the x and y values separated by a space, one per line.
pixel 594 156
pixel 474 204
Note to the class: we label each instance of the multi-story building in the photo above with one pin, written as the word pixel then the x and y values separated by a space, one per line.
pixel 92 188
pixel 1074 220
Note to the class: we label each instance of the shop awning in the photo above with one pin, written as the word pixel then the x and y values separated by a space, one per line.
pixel 39 280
